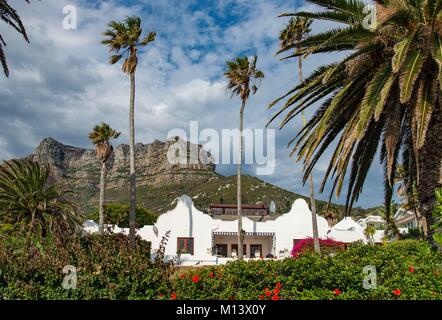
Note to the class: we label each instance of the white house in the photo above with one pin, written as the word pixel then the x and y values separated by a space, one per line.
pixel 372 220
pixel 200 239
pixel 347 230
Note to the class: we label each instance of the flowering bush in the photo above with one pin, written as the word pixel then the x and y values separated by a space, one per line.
pixel 328 246
pixel 107 268
pixel 405 270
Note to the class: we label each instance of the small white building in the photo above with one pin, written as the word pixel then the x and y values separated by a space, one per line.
pixel 347 231
pixel 200 239
pixel 372 220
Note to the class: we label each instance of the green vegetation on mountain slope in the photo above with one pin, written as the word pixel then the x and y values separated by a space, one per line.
pixel 220 190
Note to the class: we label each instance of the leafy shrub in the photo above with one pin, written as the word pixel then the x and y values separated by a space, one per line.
pixel 107 268
pixel 118 214
pixel 30 205
pixel 405 270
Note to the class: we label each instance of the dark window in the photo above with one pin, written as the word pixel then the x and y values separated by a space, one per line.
pixel 244 249
pixel 185 246
pixel 221 250
pixel 254 248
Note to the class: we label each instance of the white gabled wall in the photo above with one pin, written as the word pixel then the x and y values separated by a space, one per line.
pixel 184 221
pixel 187 221
pixel 297 224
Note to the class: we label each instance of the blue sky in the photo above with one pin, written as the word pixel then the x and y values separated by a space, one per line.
pixel 61 84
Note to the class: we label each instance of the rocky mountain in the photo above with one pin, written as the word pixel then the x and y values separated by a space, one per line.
pixel 80 167
pixel 159 181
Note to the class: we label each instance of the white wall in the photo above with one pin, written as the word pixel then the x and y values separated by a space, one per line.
pixel 297 224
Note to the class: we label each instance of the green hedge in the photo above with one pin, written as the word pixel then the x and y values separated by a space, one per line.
pixel 106 266
pixel 108 269
pixel 405 270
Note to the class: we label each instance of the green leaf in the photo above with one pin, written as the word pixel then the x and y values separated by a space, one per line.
pixel 410 73
pixel 115 58
pixel 400 53
pixel 148 39
pixel 374 99
pixel 423 111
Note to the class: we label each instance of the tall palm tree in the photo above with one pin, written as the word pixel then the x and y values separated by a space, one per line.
pixel 123 39
pixel 386 93
pixel 295 31
pixel 9 16
pixel 38 209
pixel 243 79
pixel 100 136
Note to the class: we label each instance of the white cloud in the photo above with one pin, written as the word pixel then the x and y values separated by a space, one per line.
pixel 61 85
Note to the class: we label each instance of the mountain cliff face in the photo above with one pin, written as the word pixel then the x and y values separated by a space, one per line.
pixel 81 169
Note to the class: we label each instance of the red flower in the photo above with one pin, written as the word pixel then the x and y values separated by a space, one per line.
pixel 182 276
pixel 261 297
pixel 397 292
pixel 275 297
pixel 232 298
pixel 276 291
pixel 268 293
pixel 211 275
pixel 195 279
pixel 337 292
pixel 278 285
pixel 161 296
pixel 411 269
pixel 173 296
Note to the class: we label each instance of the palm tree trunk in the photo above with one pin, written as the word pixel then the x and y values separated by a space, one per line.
pixel 316 243
pixel 239 194
pixel 132 212
pixel 430 171
pixel 102 191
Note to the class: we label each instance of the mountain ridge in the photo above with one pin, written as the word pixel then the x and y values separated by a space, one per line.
pixel 159 181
